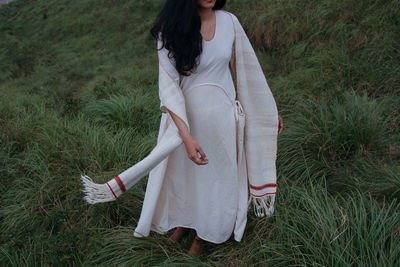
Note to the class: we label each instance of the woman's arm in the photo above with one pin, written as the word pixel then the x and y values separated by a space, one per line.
pixel 192 146
pixel 180 124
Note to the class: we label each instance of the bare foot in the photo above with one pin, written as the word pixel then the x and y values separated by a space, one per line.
pixel 196 246
pixel 176 236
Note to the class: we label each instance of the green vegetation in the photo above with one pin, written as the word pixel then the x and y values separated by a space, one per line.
pixel 79 94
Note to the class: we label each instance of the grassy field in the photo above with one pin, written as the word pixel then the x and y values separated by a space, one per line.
pixel 79 94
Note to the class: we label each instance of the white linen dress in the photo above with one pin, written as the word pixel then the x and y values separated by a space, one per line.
pixel 211 198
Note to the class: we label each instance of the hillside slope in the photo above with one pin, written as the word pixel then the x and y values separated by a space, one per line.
pixel 78 81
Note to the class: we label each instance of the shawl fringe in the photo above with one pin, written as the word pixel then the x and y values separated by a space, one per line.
pixel 262 206
pixel 95 193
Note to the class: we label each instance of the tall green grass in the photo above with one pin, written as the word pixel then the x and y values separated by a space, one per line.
pixel 350 44
pixel 328 134
pixel 312 228
pixel 78 81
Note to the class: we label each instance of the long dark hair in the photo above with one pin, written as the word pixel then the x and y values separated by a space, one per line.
pixel 178 25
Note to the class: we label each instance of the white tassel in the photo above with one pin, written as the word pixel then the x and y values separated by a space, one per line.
pixel 95 193
pixel 263 206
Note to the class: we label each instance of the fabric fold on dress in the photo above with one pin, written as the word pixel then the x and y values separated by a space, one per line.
pixel 259 138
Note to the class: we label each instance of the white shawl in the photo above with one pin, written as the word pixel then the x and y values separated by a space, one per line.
pixel 260 138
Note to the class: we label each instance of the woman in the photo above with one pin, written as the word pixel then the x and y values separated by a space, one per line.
pixel 195 42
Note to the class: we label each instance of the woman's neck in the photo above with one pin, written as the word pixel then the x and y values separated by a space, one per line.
pixel 206 13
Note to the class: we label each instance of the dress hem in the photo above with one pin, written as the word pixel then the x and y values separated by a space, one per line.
pixel 191 227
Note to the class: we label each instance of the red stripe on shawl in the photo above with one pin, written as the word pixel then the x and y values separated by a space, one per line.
pixel 119 178
pixel 119 184
pixel 263 186
pixel 263 194
pixel 112 190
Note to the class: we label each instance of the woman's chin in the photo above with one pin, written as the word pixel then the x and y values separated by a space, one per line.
pixel 207 5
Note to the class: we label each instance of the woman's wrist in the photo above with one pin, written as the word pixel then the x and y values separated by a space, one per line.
pixel 185 136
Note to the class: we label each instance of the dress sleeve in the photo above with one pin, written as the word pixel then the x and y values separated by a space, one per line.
pixel 170 92
pixel 168 66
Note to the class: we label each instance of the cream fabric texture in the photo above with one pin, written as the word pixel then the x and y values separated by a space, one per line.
pixel 209 198
pixel 256 138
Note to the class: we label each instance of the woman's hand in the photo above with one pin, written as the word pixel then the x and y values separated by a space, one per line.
pixel 280 125
pixel 193 148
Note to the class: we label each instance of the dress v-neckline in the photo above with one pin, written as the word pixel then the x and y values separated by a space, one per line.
pixel 215 30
